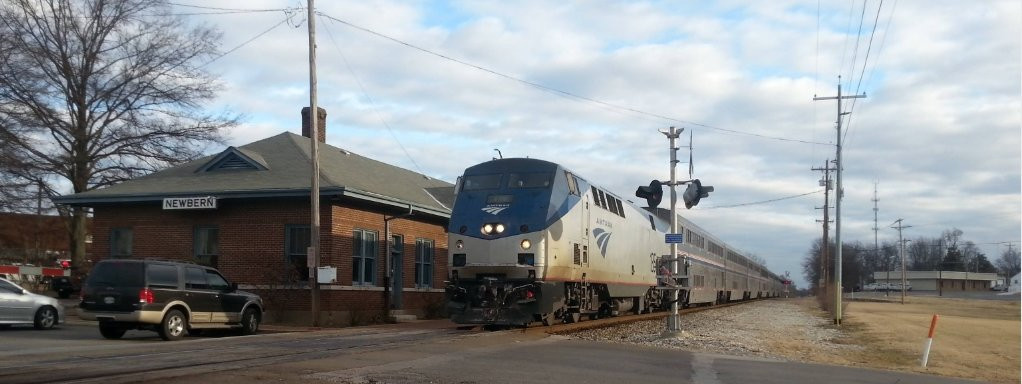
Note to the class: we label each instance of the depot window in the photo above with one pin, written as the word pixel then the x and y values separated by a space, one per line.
pixel 120 242
pixel 363 264
pixel 206 244
pixel 424 256
pixel 296 251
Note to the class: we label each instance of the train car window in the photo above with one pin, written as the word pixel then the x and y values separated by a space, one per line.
pixel 603 199
pixel 529 180
pixel 620 209
pixel 572 183
pixel 596 196
pixel 478 182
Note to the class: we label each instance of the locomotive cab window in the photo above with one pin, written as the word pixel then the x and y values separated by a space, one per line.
pixel 529 180
pixel 572 183
pixel 478 182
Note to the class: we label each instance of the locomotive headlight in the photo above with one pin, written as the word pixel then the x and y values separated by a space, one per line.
pixel 459 244
pixel 526 244
pixel 499 228
pixel 487 229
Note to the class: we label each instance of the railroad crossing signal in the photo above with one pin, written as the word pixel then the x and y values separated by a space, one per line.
pixel 695 191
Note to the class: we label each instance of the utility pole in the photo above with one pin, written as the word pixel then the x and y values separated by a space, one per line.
pixel 825 256
pixel 901 250
pixel 38 222
pixel 837 205
pixel 313 250
pixel 674 320
pixel 939 244
pixel 876 240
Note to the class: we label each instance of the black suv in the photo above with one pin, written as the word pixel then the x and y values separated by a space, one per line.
pixel 170 297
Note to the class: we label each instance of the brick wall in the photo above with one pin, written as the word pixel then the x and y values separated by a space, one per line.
pixel 251 245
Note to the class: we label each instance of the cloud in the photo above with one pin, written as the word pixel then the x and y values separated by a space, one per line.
pixel 939 128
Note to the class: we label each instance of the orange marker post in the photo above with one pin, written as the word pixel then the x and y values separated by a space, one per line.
pixel 929 340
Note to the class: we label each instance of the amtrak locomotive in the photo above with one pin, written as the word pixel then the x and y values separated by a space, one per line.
pixel 532 241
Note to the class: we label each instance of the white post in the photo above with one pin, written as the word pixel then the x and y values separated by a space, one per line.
pixel 929 341
pixel 674 321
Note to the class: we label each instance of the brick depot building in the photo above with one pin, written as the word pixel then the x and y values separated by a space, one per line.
pixel 246 212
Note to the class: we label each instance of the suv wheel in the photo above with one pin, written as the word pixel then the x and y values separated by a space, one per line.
pixel 111 331
pixel 45 318
pixel 250 322
pixel 174 325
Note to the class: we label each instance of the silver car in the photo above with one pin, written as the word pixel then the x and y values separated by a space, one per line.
pixel 19 306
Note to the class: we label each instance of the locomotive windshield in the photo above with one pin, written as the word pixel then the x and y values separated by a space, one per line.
pixel 478 182
pixel 514 181
pixel 529 180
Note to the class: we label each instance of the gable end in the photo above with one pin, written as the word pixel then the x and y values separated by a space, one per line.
pixel 232 159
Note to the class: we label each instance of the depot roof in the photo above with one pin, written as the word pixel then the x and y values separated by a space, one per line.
pixel 280 166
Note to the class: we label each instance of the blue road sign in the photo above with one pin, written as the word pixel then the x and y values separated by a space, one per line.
pixel 673 238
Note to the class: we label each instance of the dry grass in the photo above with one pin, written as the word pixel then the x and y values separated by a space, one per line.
pixel 975 339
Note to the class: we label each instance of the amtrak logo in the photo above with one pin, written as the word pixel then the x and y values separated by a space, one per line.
pixel 602 240
pixel 494 209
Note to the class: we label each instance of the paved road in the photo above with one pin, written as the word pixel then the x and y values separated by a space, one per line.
pixel 434 352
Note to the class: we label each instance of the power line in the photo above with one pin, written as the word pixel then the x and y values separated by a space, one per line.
pixel 376 109
pixel 887 29
pixel 287 18
pixel 234 9
pixel 858 37
pixel 763 202
pixel 865 61
pixel 844 47
pixel 559 92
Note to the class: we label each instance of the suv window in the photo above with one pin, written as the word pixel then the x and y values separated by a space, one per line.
pixel 216 281
pixel 195 278
pixel 127 273
pixel 162 275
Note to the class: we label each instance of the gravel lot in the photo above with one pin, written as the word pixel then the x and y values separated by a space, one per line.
pixel 782 329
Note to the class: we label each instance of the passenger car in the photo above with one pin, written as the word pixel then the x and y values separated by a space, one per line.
pixel 19 306
pixel 172 298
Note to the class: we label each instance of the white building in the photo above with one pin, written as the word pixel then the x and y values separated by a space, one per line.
pixel 941 280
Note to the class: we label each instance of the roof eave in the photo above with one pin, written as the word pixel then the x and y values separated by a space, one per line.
pixel 88 201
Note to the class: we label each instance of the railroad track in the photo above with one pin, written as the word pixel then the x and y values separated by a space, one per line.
pixel 557 329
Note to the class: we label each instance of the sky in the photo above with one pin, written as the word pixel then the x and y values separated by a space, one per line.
pixel 437 86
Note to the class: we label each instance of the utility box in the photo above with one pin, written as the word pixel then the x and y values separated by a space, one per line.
pixel 326 275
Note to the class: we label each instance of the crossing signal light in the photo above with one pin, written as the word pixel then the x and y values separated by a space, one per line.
pixel 653 193
pixel 695 191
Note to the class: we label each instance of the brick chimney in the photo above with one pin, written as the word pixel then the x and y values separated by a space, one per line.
pixel 320 120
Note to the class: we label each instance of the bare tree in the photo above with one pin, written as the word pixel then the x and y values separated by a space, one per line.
pixel 756 259
pixel 1010 263
pixel 94 92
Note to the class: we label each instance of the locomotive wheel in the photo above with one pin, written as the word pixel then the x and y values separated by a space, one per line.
pixel 572 317
pixel 548 319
